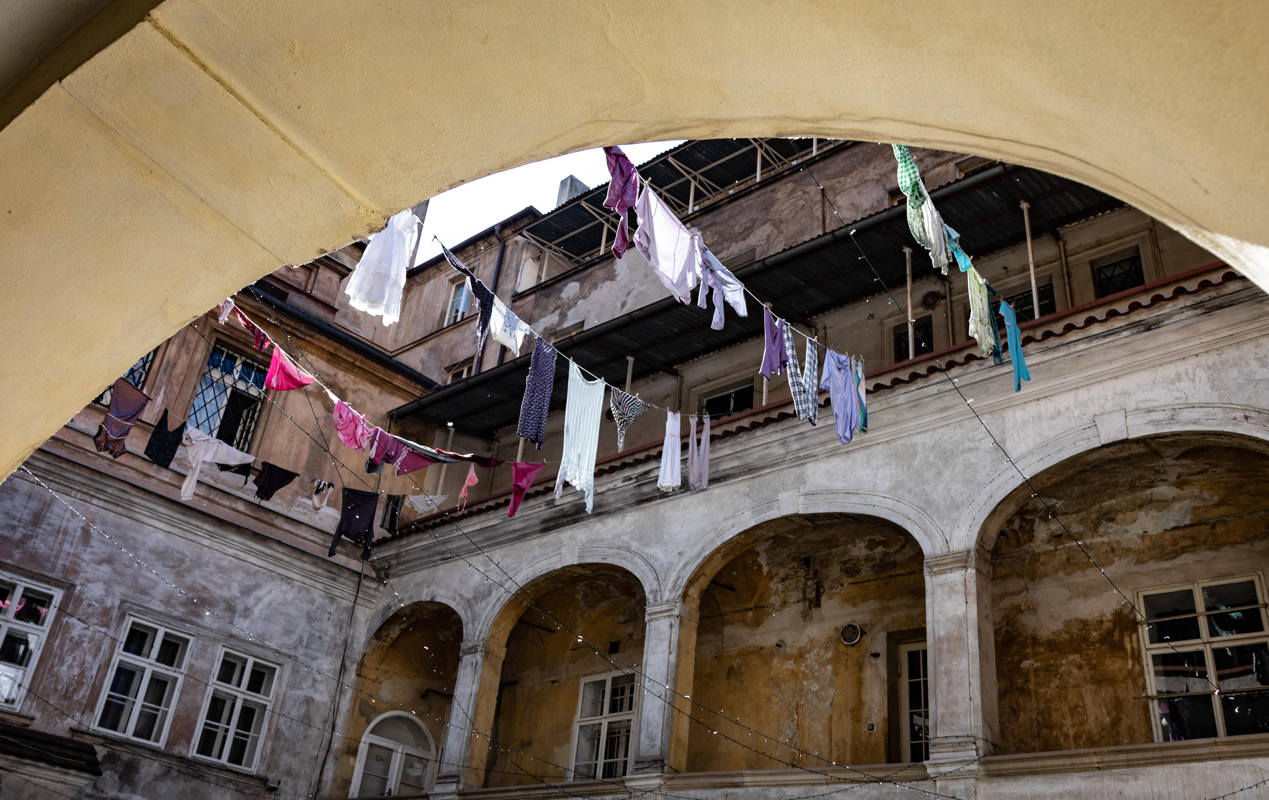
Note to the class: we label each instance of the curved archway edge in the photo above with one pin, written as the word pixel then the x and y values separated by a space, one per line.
pixel 1246 421
pixel 219 137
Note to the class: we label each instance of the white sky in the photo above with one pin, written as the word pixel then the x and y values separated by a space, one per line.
pixel 468 209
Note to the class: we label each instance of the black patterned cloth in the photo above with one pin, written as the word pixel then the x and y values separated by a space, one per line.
pixel 625 409
pixel 356 520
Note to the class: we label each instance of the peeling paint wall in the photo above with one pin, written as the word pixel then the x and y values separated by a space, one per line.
pixel 768 644
pixel 543 669
pixel 1153 513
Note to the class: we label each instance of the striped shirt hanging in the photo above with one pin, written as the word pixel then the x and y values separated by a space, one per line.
pixel 625 409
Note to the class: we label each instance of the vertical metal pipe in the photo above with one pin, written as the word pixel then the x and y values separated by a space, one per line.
pixel 449 445
pixel 691 195
pixel 519 450
pixel 907 258
pixel 603 239
pixel 758 178
pixel 629 372
pixel 1066 274
pixel 1035 292
pixel 815 146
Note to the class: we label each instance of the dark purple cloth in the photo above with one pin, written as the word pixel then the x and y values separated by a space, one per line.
pixel 623 191
pixel 484 298
pixel 537 393
pixel 126 404
pixel 774 356
pixel 356 520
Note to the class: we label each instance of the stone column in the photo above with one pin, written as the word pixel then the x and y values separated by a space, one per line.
pixel 962 660
pixel 662 646
pixel 475 697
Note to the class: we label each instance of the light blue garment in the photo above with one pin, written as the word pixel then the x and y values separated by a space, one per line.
pixel 954 245
pixel 1013 337
pixel 857 366
pixel 843 393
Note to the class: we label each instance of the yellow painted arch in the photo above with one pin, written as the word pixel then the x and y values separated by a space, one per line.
pixel 219 139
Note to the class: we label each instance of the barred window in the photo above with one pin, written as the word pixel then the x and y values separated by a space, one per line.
pixel 1024 308
pixel 135 375
pixel 924 329
pixel 229 397
pixel 1118 273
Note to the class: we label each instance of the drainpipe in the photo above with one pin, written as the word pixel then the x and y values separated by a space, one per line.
pixel 1066 273
pixel 502 251
pixel 907 257
pixel 1035 292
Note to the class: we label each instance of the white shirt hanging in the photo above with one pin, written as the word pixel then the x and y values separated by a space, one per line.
pixel 377 282
pixel 506 328
pixel 673 251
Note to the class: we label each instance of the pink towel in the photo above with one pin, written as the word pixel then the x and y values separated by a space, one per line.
pixel 351 426
pixel 283 375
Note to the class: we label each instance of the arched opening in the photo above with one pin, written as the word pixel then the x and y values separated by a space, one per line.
pixel 396 757
pixel 1177 522
pixel 811 631
pixel 563 711
pixel 401 702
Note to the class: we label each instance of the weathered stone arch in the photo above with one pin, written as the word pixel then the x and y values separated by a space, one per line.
pixel 411 595
pixel 907 516
pixel 1246 421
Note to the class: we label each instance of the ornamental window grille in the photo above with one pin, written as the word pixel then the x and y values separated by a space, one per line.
pixel 229 397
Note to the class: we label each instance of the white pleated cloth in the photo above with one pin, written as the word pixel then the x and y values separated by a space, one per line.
pixel 583 409
pixel 671 476
pixel 377 282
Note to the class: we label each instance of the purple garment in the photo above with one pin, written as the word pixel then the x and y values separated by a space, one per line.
pixel 843 395
pixel 537 393
pixel 623 191
pixel 774 357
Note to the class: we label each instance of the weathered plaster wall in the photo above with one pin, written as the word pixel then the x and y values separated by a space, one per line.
pixel 297 603
pixel 768 646
pixel 1153 512
pixel 542 672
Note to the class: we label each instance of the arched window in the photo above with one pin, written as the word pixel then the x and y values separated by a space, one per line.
pixel 395 758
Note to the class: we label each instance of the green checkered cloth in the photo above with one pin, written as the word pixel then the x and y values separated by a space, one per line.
pixel 910 185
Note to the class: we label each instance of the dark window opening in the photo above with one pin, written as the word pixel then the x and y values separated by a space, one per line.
pixel 135 375
pixel 1118 273
pixel 229 397
pixel 1024 308
pixel 924 329
pixel 728 403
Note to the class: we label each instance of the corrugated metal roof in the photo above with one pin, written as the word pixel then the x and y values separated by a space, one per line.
pixel 802 281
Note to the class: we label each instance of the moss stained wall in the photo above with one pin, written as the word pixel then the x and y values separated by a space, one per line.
pixel 1154 512
pixel 768 643
pixel 543 668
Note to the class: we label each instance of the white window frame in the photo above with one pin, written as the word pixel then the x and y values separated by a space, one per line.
pixel 605 719
pixel 239 695
pixel 399 751
pixel 905 708
pixel 460 371
pixel 1205 643
pixel 38 634
pixel 148 667
pixel 453 315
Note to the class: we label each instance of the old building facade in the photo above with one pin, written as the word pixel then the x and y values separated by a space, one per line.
pixel 947 604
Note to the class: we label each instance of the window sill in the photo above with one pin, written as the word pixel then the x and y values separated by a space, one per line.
pixel 251 781
pixel 14 718
pixel 1133 755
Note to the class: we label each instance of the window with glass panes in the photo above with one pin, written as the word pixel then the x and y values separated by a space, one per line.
pixel 395 758
pixel 1207 659
pixel 135 375
pixel 460 301
pixel 605 727
pixel 914 701
pixel 235 710
pixel 229 397
pixel 924 329
pixel 26 612
pixel 145 677
pixel 1118 273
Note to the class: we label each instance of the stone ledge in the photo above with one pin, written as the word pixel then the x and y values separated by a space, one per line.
pixel 1133 755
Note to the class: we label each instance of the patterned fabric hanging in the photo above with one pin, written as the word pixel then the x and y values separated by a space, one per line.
pixel 625 409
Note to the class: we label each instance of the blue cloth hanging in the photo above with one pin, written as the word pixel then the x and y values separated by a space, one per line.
pixel 1013 337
